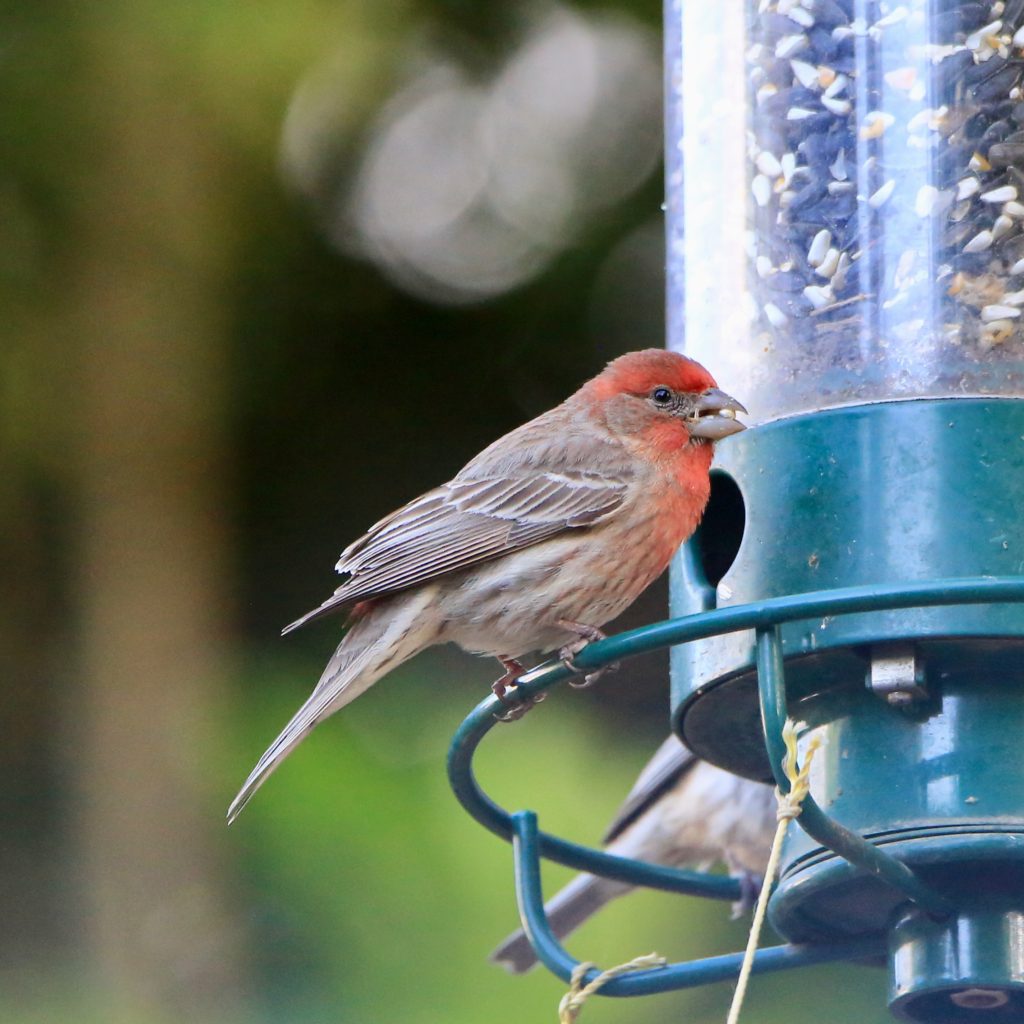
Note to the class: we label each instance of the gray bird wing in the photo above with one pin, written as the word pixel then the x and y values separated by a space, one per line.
pixel 670 762
pixel 467 521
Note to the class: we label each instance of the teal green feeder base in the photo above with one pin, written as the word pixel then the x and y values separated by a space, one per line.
pixel 941 787
pixel 889 493
pixel 877 599
pixel 966 969
pixel 919 710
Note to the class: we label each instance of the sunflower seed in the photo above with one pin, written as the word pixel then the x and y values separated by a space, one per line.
pixel 806 74
pixel 768 165
pixel 980 242
pixel 966 187
pixel 819 246
pixel 991 313
pixel 999 195
pixel 881 195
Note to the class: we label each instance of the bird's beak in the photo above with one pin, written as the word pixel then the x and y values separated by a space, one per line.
pixel 715 416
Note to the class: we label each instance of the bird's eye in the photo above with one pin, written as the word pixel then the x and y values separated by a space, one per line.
pixel 661 396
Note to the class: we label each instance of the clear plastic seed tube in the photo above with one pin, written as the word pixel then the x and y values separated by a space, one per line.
pixel 852 182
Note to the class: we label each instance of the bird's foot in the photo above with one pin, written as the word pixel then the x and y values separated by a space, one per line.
pixel 750 890
pixel 585 635
pixel 500 688
pixel 513 670
pixel 516 711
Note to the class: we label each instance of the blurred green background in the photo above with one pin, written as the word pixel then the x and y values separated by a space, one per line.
pixel 270 269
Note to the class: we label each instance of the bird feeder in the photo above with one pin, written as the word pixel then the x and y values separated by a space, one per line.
pixel 845 198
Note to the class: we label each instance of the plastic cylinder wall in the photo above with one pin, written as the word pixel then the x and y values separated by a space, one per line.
pixel 845 201
pixel 850 177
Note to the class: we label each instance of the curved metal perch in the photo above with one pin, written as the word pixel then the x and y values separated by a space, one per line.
pixel 764 617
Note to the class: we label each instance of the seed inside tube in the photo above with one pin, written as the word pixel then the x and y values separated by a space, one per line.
pixel 768 164
pixel 839 277
pixel 787 46
pixel 980 242
pixel 875 124
pixel 999 195
pixel 806 74
pixel 881 195
pixel 837 85
pixel 837 126
pixel 996 333
pixel 960 211
pixel 992 313
pixel 976 40
pixel 1002 226
pixel 788 165
pixel 837 106
pixel 819 296
pixel 967 187
pixel 819 247
pixel 828 266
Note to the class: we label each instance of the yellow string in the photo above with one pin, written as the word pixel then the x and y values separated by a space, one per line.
pixel 789 808
pixel 572 1002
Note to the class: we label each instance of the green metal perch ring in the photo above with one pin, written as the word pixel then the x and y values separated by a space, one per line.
pixel 530 844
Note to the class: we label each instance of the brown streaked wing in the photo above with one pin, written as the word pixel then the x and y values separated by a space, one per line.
pixel 466 522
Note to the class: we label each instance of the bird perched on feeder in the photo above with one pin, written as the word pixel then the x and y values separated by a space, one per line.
pixel 681 812
pixel 536 543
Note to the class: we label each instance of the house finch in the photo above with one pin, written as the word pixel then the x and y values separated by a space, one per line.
pixel 681 812
pixel 545 536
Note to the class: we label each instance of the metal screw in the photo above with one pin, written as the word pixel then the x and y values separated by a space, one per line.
pixel 897 673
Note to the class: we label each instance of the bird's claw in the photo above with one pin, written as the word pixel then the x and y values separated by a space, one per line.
pixel 513 670
pixel 517 710
pixel 500 688
pixel 750 890
pixel 566 657
pixel 592 677
pixel 587 634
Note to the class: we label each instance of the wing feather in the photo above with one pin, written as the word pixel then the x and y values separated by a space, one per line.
pixel 466 522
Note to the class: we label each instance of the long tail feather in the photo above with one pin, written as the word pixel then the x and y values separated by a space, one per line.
pixel 387 636
pixel 332 603
pixel 566 911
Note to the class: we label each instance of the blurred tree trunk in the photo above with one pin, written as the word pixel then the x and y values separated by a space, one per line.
pixel 150 325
